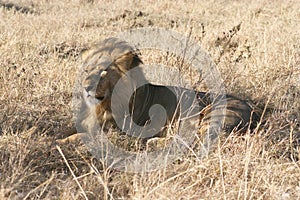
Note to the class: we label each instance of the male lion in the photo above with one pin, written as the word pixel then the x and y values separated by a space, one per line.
pixel 110 61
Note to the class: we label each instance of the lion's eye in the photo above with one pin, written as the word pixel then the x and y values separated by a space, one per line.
pixel 103 74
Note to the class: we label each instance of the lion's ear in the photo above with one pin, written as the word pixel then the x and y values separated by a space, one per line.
pixel 85 53
pixel 124 62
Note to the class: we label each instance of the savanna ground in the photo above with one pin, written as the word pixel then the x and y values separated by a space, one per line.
pixel 40 46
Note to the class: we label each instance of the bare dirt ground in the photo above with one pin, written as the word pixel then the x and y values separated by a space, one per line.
pixel 40 43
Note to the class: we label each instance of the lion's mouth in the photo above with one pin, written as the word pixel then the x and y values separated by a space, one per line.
pixel 100 98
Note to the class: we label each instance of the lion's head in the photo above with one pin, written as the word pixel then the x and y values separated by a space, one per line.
pixel 104 65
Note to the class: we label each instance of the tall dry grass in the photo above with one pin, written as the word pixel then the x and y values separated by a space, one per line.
pixel 40 43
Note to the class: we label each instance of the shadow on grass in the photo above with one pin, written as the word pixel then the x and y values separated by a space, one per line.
pixel 17 8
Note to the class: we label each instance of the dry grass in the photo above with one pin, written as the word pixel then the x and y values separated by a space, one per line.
pixel 39 45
